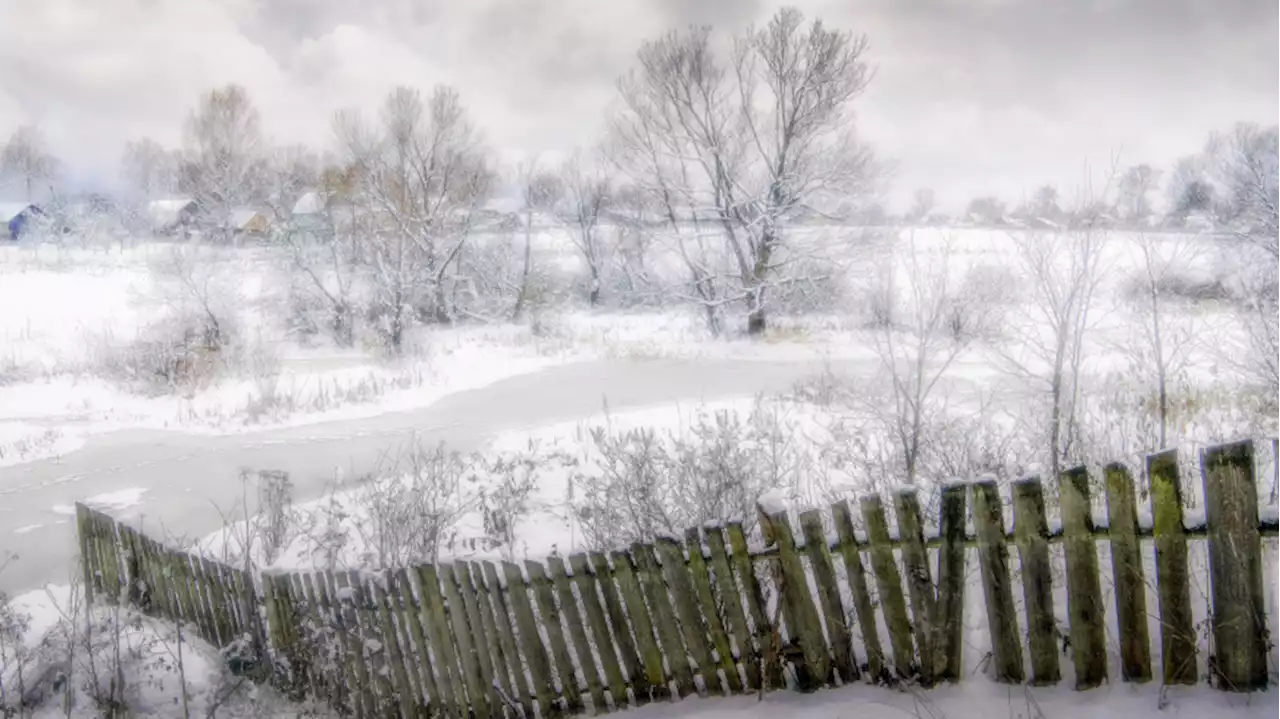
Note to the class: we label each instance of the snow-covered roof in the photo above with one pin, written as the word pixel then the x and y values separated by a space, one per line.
pixel 242 216
pixel 10 210
pixel 167 213
pixel 310 203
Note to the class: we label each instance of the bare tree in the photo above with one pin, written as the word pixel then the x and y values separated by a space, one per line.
pixel 148 168
pixel 1244 163
pixel 1188 189
pixel 1163 340
pixel 586 194
pixel 539 192
pixel 1062 271
pixel 748 143
pixel 422 174
pixel 987 209
pixel 922 203
pixel 931 326
pixel 223 161
pixel 26 158
pixel 1044 204
pixel 1133 201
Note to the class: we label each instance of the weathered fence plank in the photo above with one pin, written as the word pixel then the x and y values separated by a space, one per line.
pixel 1084 591
pixel 948 641
pixel 482 645
pixel 88 563
pixel 707 604
pixel 1235 566
pixel 664 618
pixel 346 597
pixel 1177 626
pixel 730 597
pixel 402 597
pixel 622 637
pixel 690 618
pixel 534 651
pixel 342 687
pixel 993 561
pixel 1126 568
pixel 477 689
pixel 824 575
pixel 303 609
pixel 551 624
pixel 744 569
pixel 407 693
pixel 453 691
pixel 518 683
pixel 856 576
pixel 915 562
pixel 804 626
pixel 652 682
pixel 586 583
pixel 504 690
pixel 1031 534
pixel 577 633
pixel 889 582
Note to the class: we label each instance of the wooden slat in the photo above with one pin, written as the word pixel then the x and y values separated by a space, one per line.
pixel 744 569
pixel 586 582
pixel 651 683
pixel 551 624
pixel 803 623
pixel 707 610
pixel 479 638
pixel 730 598
pixel 310 646
pixel 88 567
pixel 664 618
pixel 824 575
pixel 692 625
pixel 1031 532
pixel 477 691
pixel 577 632
pixel 1177 626
pixel 892 601
pixel 217 602
pixel 205 622
pixel 406 693
pixel 342 686
pixel 1235 567
pixel 1126 568
pixel 862 606
pixel 948 641
pixel 411 616
pixel 993 560
pixel 507 636
pixel 1084 591
pixel 535 652
pixel 915 562
pixel 178 580
pixel 449 677
pixel 506 695
pixel 347 600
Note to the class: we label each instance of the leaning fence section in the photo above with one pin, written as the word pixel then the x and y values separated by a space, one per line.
pixel 829 601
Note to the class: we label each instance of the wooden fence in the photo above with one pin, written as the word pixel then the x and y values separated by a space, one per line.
pixel 704 615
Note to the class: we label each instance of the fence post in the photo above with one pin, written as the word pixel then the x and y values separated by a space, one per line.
pixel 858 588
pixel 1177 625
pixel 801 616
pixel 1235 565
pixel 993 560
pixel 1031 534
pixel 1126 569
pixel 949 617
pixel 824 576
pixel 1084 591
pixel 892 602
pixel 915 561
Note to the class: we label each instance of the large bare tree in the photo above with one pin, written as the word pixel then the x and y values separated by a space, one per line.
pixel 422 172
pixel 148 168
pixel 744 143
pixel 26 159
pixel 585 196
pixel 223 156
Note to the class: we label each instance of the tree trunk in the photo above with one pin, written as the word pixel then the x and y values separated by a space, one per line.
pixel 522 295
pixel 593 298
pixel 756 320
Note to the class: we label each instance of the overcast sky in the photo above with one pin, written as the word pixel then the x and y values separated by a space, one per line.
pixel 970 96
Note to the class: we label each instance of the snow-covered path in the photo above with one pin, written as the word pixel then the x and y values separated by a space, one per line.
pixel 178 484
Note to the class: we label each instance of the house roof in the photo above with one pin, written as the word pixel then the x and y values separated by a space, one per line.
pixel 10 210
pixel 310 203
pixel 242 216
pixel 167 213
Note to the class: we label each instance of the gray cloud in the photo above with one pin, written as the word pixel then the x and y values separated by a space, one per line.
pixel 971 95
